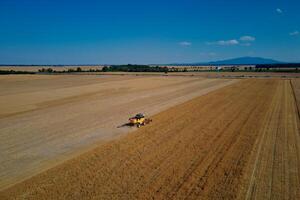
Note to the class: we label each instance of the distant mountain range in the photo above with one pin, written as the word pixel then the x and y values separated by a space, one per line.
pixel 237 61
pixel 246 61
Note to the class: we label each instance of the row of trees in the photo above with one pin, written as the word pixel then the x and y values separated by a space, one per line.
pixel 117 68
pixel 134 68
pixel 140 68
pixel 78 69
pixel 15 72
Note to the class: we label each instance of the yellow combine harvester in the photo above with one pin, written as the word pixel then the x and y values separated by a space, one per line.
pixel 139 120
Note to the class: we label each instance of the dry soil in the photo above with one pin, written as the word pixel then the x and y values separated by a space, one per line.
pixel 45 120
pixel 241 141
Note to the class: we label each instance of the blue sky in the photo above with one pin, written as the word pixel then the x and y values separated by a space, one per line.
pixel 154 31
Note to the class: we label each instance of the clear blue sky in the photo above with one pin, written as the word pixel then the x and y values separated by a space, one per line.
pixel 154 31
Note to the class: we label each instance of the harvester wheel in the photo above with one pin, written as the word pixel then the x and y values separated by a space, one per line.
pixel 138 125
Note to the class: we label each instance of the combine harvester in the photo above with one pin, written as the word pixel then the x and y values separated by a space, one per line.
pixel 139 120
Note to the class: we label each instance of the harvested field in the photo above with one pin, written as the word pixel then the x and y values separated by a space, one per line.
pixel 296 90
pixel 45 120
pixel 241 141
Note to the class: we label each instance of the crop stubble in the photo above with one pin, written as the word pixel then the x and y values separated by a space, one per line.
pixel 45 120
pixel 241 142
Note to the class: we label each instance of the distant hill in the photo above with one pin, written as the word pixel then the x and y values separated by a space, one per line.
pixel 237 61
pixel 245 61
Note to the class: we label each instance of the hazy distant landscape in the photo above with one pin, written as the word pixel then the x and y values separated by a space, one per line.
pixel 245 64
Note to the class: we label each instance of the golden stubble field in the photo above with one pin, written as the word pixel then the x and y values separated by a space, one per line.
pixel 45 120
pixel 238 142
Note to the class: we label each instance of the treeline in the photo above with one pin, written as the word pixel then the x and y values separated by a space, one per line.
pixel 71 70
pixel 134 68
pixel 279 65
pixel 3 72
